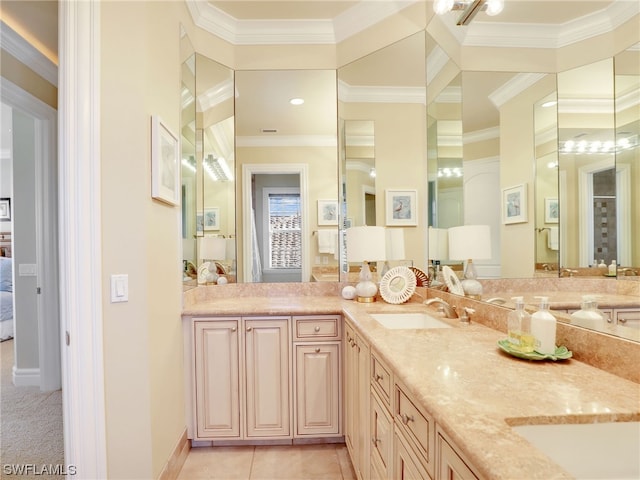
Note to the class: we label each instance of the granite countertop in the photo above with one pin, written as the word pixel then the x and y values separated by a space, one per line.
pixel 474 391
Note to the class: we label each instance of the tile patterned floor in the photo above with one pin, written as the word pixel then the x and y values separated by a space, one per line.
pixel 282 462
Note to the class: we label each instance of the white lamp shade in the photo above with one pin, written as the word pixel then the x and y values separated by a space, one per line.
pixel 212 248
pixel 366 244
pixel 470 241
pixel 395 244
pixel 231 249
pixel 438 244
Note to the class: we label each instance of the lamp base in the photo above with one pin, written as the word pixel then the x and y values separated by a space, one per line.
pixel 366 299
pixel 472 288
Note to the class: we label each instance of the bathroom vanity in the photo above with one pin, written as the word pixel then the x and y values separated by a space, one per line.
pixel 409 403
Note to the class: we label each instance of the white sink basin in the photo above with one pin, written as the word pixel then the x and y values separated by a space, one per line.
pixel 407 321
pixel 590 451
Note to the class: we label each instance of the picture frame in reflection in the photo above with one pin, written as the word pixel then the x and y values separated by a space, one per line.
pixel 165 163
pixel 327 212
pixel 551 210
pixel 211 218
pixel 401 208
pixel 514 204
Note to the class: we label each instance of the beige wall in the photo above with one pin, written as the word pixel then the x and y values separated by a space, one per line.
pixel 140 77
pixel 516 167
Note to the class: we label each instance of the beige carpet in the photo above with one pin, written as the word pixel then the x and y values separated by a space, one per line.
pixel 30 425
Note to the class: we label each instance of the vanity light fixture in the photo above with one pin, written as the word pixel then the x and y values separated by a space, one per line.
pixel 450 172
pixel 190 163
pixel 469 8
pixel 217 168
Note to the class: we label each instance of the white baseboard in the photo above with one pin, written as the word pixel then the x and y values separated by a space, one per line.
pixel 26 377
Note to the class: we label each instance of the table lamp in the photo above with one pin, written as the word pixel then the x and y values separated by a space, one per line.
pixel 394 247
pixel 466 243
pixel 209 250
pixel 366 244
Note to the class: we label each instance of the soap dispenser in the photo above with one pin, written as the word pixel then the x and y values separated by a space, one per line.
pixel 588 316
pixel 519 328
pixel 543 328
pixel 612 268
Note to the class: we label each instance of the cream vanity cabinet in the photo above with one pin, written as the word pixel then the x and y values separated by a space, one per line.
pixel 628 317
pixel 356 401
pixel 450 463
pixel 318 380
pixel 241 374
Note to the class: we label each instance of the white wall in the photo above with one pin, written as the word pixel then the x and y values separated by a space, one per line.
pixel 23 208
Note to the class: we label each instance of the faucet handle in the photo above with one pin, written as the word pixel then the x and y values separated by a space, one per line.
pixel 466 316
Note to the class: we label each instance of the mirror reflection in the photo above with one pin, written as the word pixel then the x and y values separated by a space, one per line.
pixel 286 153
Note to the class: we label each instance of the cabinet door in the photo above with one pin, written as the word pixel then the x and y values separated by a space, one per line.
pixel 268 367
pixel 450 465
pixel 317 389
pixel 406 465
pixel 217 378
pixel 381 439
pixel 362 408
pixel 350 381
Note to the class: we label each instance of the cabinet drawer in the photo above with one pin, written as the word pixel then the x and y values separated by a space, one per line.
pixel 317 327
pixel 381 438
pixel 628 318
pixel 381 379
pixel 417 426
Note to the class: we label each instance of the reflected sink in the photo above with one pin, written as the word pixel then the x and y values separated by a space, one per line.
pixel 407 321
pixel 594 450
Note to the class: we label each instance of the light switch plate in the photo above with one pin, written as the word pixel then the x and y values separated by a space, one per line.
pixel 27 270
pixel 119 288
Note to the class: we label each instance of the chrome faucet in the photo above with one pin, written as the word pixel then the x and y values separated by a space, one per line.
pixel 568 271
pixel 449 311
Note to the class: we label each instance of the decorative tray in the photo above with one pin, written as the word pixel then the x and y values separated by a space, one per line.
pixel 561 353
pixel 397 285
pixel 421 277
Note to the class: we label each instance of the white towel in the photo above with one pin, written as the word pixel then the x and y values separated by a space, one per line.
pixel 552 238
pixel 327 240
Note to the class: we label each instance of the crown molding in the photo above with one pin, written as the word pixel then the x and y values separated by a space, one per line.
pixel 23 51
pixel 481 135
pixel 360 94
pixel 287 141
pixel 436 61
pixel 514 87
pixel 293 32
pixel 216 95
pixel 522 35
pixel 586 105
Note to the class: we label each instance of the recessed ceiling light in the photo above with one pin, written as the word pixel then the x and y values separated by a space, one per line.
pixel 296 101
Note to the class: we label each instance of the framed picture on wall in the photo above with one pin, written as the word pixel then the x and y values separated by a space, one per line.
pixel 514 204
pixel 212 218
pixel 327 212
pixel 401 207
pixel 165 163
pixel 5 209
pixel 551 214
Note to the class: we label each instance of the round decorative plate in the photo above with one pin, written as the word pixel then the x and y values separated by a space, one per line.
pixel 397 285
pixel 421 277
pixel 452 280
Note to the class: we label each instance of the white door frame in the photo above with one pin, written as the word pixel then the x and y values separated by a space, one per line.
pixel 45 118
pixel 80 235
pixel 273 168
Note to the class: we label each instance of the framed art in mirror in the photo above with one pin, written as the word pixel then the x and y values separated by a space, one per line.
pixel 5 209
pixel 165 163
pixel 514 204
pixel 551 210
pixel 327 212
pixel 401 207
pixel 211 218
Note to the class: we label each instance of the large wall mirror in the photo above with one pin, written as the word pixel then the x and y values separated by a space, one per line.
pixel 460 136
pixel 286 152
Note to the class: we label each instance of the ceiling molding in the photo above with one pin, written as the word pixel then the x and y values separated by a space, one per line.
pixel 216 95
pixel 18 47
pixel 293 32
pixel 586 105
pixel 514 87
pixel 361 94
pixel 523 35
pixel 436 61
pixel 481 135
pixel 271 140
